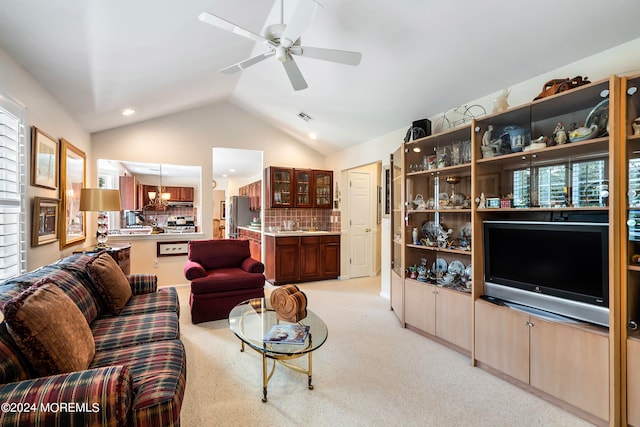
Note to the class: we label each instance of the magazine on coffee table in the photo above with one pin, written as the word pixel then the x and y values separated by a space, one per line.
pixel 287 334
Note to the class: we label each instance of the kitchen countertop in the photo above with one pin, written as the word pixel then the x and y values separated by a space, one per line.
pixel 160 236
pixel 257 230
pixel 301 233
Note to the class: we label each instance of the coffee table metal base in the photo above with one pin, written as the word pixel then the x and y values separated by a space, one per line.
pixel 282 359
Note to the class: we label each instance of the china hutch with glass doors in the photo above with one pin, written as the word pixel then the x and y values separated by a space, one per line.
pixel 584 167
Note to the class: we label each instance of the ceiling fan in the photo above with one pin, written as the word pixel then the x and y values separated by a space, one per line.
pixel 283 41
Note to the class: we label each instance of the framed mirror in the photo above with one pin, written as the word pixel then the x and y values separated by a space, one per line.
pixel 72 179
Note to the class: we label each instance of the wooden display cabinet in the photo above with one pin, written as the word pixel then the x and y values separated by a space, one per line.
pixel 438 207
pixel 303 184
pixel 279 187
pixel 322 189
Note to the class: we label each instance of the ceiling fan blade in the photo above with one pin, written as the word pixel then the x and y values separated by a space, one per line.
pixel 302 18
pixel 247 63
pixel 333 55
pixel 226 25
pixel 295 76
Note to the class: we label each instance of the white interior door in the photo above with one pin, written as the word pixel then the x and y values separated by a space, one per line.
pixel 360 224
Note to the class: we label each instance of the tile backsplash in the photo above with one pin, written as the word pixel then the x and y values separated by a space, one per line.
pixel 320 219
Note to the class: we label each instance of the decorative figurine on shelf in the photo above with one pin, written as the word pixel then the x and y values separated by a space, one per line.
pixel 413 272
pixel 487 148
pixel 559 134
pixel 481 201
pixel 636 126
pixel 500 104
pixel 486 137
pixel 422 270
pixel 414 234
pixel 443 237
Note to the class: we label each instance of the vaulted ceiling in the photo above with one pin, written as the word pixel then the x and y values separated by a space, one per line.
pixel 99 57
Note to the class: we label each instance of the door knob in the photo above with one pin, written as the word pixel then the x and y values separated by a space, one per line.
pixel 367 230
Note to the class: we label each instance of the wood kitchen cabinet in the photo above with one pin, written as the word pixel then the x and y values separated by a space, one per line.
pixel 128 193
pixel 180 194
pixel 255 242
pixel 299 188
pixel 294 259
pixel 303 188
pixel 545 354
pixel 254 192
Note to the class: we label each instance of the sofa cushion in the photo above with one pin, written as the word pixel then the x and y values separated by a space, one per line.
pixel 110 281
pixel 218 253
pixel 165 300
pixel 122 331
pixel 227 279
pixel 159 377
pixel 71 285
pixel 50 329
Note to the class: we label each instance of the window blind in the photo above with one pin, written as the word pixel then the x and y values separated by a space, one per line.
pixel 12 189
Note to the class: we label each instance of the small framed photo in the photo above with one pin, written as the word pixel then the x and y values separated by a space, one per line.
pixel 44 160
pixel 45 221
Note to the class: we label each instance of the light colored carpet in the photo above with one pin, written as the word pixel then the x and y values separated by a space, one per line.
pixel 370 372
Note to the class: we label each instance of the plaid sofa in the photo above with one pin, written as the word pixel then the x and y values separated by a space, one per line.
pixel 137 376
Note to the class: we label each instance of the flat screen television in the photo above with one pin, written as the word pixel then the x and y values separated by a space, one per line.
pixel 558 267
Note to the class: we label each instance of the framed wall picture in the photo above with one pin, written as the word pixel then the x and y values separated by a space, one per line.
pixel 223 209
pixel 386 190
pixel 44 160
pixel 72 179
pixel 45 221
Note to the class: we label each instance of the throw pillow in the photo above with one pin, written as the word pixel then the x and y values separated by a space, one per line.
pixel 110 281
pixel 50 329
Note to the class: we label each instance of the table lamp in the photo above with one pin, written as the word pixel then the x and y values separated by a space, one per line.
pixel 100 200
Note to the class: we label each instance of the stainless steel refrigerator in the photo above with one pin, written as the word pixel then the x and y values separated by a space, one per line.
pixel 239 215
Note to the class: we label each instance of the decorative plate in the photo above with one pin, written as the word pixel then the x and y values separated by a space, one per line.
pixel 599 116
pixel 467 272
pixel 440 266
pixel 456 267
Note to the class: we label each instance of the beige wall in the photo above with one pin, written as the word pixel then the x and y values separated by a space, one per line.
pixel 45 113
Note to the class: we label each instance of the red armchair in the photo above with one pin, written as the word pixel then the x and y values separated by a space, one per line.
pixel 222 274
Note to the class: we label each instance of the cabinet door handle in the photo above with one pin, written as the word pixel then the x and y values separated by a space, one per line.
pixel 529 324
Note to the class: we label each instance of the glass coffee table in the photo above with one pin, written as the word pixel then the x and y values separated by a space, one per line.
pixel 252 319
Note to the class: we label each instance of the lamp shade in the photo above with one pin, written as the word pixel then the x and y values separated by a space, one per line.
pixel 99 199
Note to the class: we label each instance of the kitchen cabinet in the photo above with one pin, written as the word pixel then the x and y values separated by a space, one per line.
pixel 567 361
pixel 323 189
pixel 303 188
pixel 298 188
pixel 441 312
pixel 180 194
pixel 291 259
pixel 128 193
pixel 254 192
pixel 255 242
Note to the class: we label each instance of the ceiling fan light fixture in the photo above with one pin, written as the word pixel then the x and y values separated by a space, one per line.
pixel 304 116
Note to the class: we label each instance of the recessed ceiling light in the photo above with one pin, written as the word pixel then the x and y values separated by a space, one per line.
pixel 232 170
pixel 225 175
pixel 312 135
pixel 128 111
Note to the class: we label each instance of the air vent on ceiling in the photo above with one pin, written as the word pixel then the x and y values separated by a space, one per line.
pixel 304 116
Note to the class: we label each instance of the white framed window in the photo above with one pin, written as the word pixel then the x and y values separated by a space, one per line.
pixel 13 189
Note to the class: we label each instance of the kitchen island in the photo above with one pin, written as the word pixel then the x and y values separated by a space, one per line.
pixel 301 256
